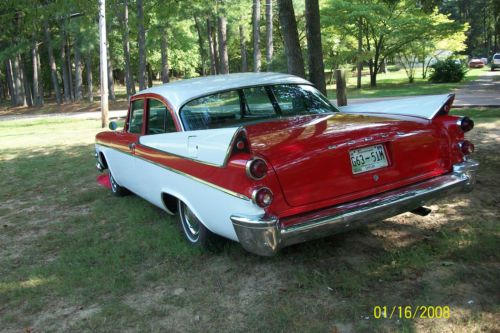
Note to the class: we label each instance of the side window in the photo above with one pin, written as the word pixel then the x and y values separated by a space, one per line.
pixel 258 103
pixel 291 99
pixel 214 111
pixel 136 113
pixel 159 118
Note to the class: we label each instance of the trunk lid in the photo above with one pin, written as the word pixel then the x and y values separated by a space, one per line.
pixel 314 156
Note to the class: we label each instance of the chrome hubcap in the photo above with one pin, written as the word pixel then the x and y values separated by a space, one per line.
pixel 190 223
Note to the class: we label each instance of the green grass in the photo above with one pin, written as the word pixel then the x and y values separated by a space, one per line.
pixel 396 84
pixel 75 258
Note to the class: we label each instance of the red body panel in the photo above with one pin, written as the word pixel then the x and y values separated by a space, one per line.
pixel 311 154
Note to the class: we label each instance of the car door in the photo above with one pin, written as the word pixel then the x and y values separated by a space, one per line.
pixel 122 164
pixel 159 121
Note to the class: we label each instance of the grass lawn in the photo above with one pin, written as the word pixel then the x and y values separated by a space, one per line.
pixel 396 84
pixel 75 258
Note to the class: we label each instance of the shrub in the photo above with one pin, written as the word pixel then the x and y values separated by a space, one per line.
pixel 447 70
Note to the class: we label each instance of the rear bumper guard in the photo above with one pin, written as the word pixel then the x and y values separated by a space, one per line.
pixel 264 235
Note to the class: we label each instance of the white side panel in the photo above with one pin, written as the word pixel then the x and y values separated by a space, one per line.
pixel 422 106
pixel 120 164
pixel 208 146
pixel 212 206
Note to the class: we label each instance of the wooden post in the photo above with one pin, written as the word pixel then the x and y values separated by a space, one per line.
pixel 103 63
pixel 341 87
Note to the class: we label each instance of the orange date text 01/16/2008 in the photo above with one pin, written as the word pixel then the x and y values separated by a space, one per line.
pixel 411 312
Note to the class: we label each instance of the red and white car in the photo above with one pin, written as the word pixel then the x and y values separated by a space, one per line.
pixel 266 160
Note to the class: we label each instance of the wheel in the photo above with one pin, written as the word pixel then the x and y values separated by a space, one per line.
pixel 116 189
pixel 194 231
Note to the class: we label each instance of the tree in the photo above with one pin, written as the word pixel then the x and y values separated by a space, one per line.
pixel 129 79
pixel 103 63
pixel 164 57
pixel 224 64
pixel 256 35
pixel 243 49
pixel 141 41
pixel 52 63
pixel 314 47
pixel 288 26
pixel 211 48
pixel 269 34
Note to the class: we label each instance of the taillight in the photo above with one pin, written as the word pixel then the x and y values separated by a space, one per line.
pixel 256 168
pixel 262 197
pixel 466 147
pixel 466 124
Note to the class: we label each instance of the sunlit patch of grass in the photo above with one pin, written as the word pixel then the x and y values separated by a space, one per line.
pixel 394 84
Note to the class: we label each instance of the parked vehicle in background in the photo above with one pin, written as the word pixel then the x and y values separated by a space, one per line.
pixel 476 63
pixel 495 61
pixel 484 60
pixel 266 160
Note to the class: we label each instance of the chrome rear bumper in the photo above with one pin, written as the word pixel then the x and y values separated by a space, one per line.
pixel 264 235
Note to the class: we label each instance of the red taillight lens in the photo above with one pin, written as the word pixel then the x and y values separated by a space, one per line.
pixel 262 197
pixel 466 147
pixel 466 124
pixel 256 168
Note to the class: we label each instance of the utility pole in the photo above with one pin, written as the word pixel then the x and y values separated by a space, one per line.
pixel 103 63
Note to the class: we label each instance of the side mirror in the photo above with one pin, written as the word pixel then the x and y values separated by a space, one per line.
pixel 113 125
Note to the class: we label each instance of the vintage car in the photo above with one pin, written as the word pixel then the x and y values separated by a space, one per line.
pixel 266 160
pixel 476 63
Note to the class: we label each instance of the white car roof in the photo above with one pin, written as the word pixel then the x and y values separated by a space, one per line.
pixel 179 92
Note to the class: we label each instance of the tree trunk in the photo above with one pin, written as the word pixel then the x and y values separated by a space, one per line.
pixel 40 82
pixel 18 83
pixel 164 57
pixel 216 49
pixel 314 46
pixel 90 88
pixel 111 81
pixel 142 45
pixel 288 25
pixel 26 86
pixel 341 87
pixel 52 64
pixel 150 75
pixel 78 72
pixel 269 34
pixel 10 82
pixel 256 35
pixel 200 44
pixel 67 92
pixel 129 79
pixel 360 51
pixel 243 50
pixel 36 94
pixel 103 76
pixel 224 61
pixel 70 71
pixel 211 48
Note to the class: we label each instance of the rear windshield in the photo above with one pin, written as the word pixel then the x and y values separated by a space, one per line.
pixel 254 104
pixel 496 56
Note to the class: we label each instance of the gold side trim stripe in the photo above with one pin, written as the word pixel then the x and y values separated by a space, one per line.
pixel 217 187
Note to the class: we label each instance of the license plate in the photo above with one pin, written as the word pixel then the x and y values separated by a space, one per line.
pixel 368 158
